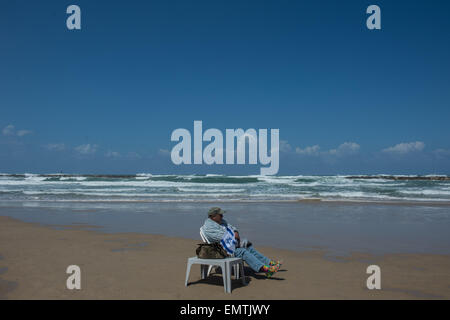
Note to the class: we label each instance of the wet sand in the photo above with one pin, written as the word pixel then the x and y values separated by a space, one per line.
pixel 339 228
pixel 34 259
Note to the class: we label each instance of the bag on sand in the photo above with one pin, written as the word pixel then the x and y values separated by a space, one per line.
pixel 210 251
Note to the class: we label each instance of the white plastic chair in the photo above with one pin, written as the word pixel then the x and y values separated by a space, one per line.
pixel 235 267
pixel 226 265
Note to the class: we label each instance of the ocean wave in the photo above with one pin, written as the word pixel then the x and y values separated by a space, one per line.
pixel 216 186
pixel 209 190
pixel 356 195
pixel 72 178
pixel 426 192
pixel 127 195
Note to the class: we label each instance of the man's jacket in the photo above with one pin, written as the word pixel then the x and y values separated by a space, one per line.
pixel 214 232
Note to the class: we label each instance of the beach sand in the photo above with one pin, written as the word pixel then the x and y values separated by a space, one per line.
pixel 34 259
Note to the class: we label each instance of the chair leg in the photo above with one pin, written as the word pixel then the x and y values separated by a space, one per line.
pixel 236 271
pixel 228 268
pixel 224 276
pixel 188 270
pixel 241 266
pixel 209 270
pixel 204 271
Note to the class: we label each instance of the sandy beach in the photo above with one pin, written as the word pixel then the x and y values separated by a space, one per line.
pixel 34 258
pixel 319 128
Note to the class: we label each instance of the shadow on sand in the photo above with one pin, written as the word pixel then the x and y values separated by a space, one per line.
pixel 215 278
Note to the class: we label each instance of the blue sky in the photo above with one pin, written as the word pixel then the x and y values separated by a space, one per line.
pixel 106 98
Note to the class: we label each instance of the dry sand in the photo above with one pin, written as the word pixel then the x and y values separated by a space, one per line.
pixel 34 258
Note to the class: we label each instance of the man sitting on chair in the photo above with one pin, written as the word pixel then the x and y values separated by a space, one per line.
pixel 215 229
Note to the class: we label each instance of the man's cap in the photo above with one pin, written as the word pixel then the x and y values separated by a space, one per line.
pixel 215 210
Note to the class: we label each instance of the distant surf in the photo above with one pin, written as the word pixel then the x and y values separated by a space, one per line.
pixel 222 188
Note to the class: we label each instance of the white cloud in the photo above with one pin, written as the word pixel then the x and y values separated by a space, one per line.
pixel 442 153
pixel 285 146
pixel 55 146
pixel 310 151
pixel 86 149
pixel 22 133
pixel 112 154
pixel 345 149
pixel 405 147
pixel 10 130
pixel 134 155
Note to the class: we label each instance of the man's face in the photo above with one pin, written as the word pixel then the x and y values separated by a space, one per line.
pixel 217 218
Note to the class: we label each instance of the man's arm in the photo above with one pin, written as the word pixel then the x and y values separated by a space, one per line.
pixel 236 232
pixel 213 231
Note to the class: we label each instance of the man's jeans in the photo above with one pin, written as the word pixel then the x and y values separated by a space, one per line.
pixel 253 258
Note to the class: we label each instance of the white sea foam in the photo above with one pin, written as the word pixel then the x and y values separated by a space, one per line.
pixel 214 186
pixel 209 190
pixel 356 195
pixel 34 177
pixel 77 178
pixel 426 192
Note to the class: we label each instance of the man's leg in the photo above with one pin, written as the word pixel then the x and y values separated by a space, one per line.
pixel 250 258
pixel 259 256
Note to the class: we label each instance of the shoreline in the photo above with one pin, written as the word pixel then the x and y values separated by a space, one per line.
pixel 437 203
pixel 341 228
pixel 34 259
